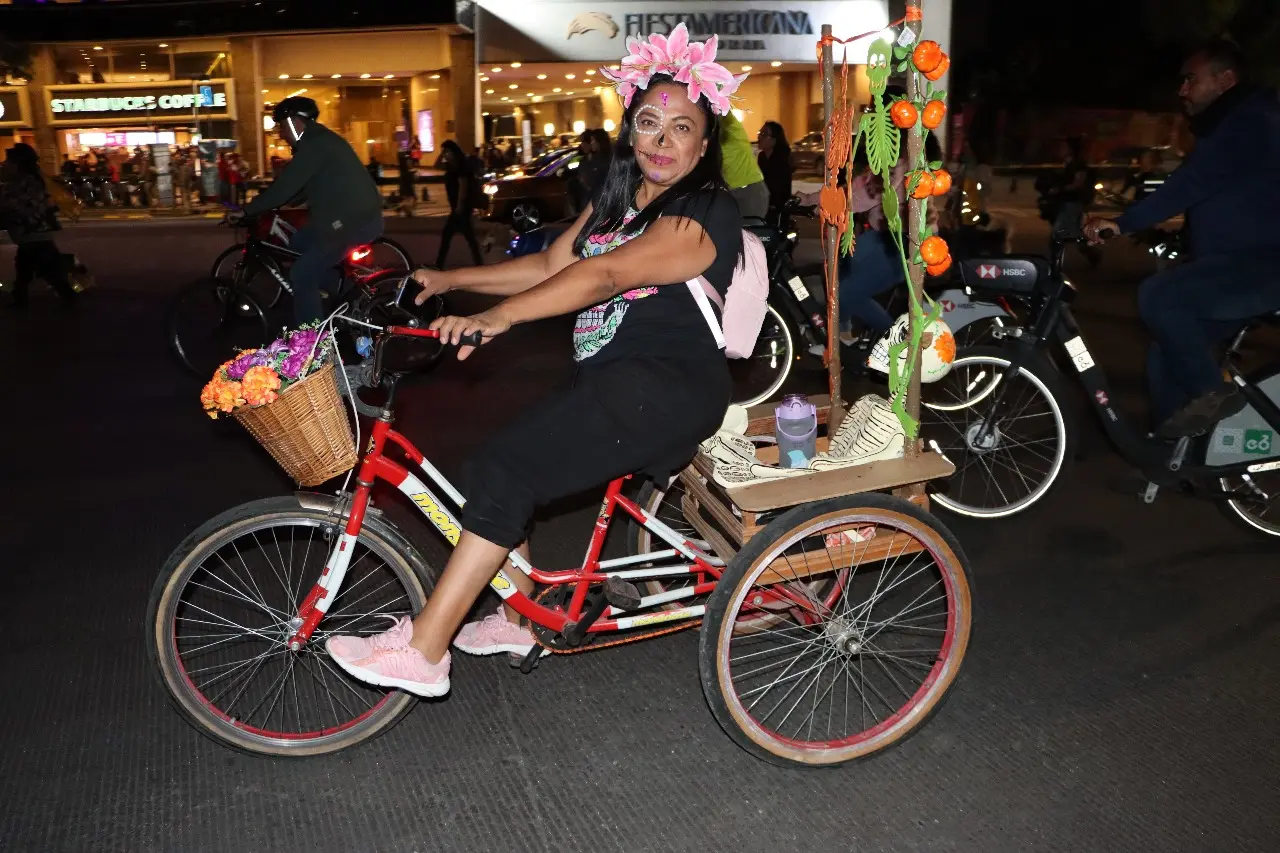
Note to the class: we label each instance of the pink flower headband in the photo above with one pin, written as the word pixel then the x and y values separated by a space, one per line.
pixel 690 63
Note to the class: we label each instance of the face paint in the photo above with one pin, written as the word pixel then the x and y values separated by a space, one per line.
pixel 657 115
pixel 664 98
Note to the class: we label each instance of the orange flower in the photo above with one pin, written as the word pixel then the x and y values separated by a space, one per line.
pixel 933 250
pixel 926 56
pixel 944 344
pixel 939 69
pixel 221 395
pixel 260 384
pixel 934 112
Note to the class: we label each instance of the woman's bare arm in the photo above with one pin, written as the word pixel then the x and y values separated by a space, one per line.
pixel 672 249
pixel 510 277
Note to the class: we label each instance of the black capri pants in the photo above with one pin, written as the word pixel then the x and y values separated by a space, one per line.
pixel 640 415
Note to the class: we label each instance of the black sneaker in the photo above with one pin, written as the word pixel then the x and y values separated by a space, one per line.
pixel 1199 416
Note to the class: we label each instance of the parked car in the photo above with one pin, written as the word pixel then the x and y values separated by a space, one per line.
pixel 539 187
pixel 809 153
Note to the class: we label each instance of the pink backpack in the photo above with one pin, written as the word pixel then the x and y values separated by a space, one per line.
pixel 744 308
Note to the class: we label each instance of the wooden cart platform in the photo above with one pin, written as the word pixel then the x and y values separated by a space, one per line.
pixel 728 518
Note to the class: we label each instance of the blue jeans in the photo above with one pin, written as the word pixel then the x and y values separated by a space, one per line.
pixel 874 268
pixel 1191 308
pixel 314 270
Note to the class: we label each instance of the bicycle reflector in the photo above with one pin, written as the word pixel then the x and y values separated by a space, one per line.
pixel 360 253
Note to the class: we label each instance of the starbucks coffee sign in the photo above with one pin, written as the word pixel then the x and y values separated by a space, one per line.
pixel 170 103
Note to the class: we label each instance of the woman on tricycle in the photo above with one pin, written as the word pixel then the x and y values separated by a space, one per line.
pixel 650 383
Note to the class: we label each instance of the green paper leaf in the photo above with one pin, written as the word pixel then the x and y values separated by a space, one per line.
pixel 899 52
pixel 935 165
pixel 939 95
pixel 890 204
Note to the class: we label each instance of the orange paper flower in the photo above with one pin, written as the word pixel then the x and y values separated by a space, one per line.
pixel 260 385
pixel 221 395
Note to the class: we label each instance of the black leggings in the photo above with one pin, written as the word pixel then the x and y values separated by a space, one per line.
pixel 459 222
pixel 42 258
pixel 629 416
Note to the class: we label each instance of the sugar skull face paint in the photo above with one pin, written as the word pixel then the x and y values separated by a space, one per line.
pixel 668 142
pixel 649 119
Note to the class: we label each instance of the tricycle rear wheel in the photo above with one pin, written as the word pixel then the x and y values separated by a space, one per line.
pixel 849 675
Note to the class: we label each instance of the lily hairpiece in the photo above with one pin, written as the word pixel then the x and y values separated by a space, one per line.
pixel 690 63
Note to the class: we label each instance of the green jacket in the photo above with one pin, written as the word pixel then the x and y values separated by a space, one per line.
pixel 740 166
pixel 326 173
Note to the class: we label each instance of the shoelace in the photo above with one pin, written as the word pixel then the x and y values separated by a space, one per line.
pixel 391 639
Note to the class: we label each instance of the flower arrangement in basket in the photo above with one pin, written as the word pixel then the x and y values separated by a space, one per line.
pixel 286 395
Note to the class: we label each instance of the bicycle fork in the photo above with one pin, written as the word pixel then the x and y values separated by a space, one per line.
pixel 316 604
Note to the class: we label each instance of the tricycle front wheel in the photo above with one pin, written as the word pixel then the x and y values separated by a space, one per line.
pixel 847 668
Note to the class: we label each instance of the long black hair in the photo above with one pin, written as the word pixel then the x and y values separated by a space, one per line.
pixel 617 193
pixel 457 161
pixel 23 158
pixel 781 148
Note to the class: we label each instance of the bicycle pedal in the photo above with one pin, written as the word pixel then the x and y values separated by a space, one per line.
pixel 623 595
pixel 526 662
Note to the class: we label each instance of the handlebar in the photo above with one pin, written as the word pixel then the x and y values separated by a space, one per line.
pixel 474 339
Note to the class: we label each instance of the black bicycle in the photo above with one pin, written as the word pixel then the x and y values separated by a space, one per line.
pixel 1000 414
pixel 240 306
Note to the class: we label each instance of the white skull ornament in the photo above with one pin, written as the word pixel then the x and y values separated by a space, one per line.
pixel 937 352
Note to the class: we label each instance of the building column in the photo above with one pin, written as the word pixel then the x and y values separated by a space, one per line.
pixel 44 73
pixel 247 83
pixel 462 84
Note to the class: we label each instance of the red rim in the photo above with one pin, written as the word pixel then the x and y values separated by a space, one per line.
pixel 944 657
pixel 297 736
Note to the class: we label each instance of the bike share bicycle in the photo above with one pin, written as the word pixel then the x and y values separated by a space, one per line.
pixel 833 635
pixel 1012 398
pixel 240 307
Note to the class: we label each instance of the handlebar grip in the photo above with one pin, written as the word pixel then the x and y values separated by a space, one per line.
pixel 474 339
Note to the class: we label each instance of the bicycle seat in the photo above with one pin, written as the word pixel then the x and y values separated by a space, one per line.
pixel 1008 274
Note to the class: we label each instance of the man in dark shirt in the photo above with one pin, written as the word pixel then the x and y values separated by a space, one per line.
pixel 344 202
pixel 1228 187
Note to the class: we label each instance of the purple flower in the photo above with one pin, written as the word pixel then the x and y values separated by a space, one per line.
pixel 293 364
pixel 303 340
pixel 241 365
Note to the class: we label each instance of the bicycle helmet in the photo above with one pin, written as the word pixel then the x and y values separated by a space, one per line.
pixel 295 106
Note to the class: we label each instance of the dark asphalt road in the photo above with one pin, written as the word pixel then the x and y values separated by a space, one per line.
pixel 1120 693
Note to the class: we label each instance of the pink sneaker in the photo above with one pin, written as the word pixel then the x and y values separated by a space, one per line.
pixel 494 634
pixel 354 648
pixel 391 661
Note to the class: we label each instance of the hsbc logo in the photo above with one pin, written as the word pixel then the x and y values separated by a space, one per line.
pixel 1018 271
pixel 989 271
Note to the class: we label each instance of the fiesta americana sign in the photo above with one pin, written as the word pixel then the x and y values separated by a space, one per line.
pixel 594 30
pixel 748 22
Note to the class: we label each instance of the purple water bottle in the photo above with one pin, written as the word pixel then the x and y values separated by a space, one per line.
pixel 796 429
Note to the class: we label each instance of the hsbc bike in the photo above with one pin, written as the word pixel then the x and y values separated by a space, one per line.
pixel 1001 417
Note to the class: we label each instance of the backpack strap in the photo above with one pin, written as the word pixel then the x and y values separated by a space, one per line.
pixel 704 294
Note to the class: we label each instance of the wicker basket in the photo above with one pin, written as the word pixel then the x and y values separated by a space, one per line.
pixel 306 429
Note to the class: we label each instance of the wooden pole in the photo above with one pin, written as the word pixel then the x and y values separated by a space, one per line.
pixel 915 143
pixel 831 247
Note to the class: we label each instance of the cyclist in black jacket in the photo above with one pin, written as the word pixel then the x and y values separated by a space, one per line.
pixel 344 202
